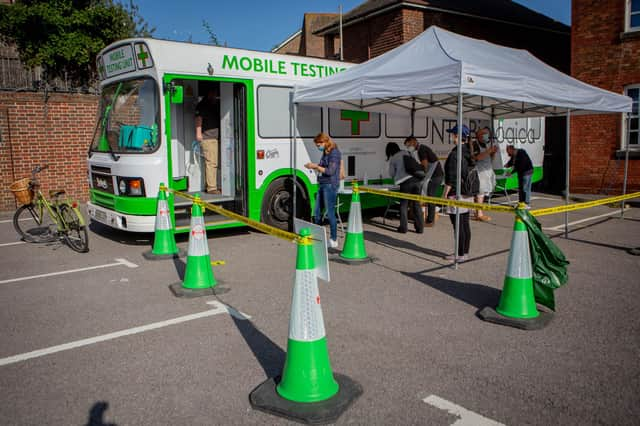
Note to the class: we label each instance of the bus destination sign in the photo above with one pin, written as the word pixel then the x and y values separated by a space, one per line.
pixel 118 61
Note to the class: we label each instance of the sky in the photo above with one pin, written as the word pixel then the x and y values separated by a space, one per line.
pixel 261 25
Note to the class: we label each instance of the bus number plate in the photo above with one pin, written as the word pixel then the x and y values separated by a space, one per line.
pixel 101 216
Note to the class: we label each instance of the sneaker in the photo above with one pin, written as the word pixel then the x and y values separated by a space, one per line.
pixel 333 244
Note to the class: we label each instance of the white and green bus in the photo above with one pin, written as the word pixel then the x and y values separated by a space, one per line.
pixel 146 134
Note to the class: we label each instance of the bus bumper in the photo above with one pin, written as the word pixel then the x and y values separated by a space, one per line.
pixel 122 221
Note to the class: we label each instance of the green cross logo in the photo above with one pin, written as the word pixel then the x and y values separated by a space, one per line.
pixel 356 117
pixel 142 56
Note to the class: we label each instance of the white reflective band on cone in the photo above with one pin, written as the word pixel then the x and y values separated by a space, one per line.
pixel 519 265
pixel 198 238
pixel 162 217
pixel 306 323
pixel 355 218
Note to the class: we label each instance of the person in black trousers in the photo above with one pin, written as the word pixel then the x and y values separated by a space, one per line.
pixel 450 185
pixel 408 184
pixel 429 160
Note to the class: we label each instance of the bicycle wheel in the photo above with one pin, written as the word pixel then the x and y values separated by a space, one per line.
pixel 33 227
pixel 76 234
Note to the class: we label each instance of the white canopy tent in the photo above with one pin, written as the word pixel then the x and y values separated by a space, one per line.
pixel 444 74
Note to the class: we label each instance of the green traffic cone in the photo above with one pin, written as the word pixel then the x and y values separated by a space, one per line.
pixel 517 306
pixel 198 275
pixel 307 374
pixel 164 243
pixel 517 299
pixel 353 250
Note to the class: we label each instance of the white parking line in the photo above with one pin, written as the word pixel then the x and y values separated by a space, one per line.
pixel 119 262
pixel 465 417
pixel 561 227
pixel 12 244
pixel 219 308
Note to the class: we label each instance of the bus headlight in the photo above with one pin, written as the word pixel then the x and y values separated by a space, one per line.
pixel 133 187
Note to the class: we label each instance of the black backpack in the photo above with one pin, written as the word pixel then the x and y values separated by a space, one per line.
pixel 471 183
pixel 412 167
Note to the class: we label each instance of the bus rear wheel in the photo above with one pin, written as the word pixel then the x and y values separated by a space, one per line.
pixel 277 204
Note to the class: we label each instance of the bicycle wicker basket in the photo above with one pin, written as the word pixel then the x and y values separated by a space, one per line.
pixel 20 189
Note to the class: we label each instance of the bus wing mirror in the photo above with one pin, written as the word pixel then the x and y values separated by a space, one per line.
pixel 177 94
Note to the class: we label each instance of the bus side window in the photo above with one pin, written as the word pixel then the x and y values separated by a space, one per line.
pixel 351 165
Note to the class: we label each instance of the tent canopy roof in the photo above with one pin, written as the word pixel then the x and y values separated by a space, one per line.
pixel 428 73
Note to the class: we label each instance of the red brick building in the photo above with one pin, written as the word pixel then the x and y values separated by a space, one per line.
pixel 377 26
pixel 306 43
pixel 605 40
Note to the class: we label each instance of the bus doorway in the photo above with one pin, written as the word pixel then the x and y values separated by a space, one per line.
pixel 219 108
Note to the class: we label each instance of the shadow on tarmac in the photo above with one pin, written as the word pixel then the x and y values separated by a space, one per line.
pixel 122 237
pixel 96 414
pixel 477 295
pixel 398 244
pixel 270 356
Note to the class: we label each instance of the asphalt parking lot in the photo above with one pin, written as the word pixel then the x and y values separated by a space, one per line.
pixel 98 338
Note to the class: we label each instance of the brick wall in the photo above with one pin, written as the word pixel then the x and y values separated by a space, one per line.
pixel 373 37
pixel 603 57
pixel 292 47
pixel 56 132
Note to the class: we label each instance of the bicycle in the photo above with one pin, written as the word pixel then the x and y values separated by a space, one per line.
pixel 39 220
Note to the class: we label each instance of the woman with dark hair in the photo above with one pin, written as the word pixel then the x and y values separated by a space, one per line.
pixel 328 170
pixel 408 185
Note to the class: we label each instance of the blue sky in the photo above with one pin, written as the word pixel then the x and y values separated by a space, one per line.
pixel 259 25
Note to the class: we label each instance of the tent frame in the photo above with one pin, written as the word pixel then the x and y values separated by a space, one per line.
pixel 461 108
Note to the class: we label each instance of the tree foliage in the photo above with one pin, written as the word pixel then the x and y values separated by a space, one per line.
pixel 64 36
pixel 213 38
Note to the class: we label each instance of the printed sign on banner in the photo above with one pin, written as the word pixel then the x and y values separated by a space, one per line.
pixel 320 255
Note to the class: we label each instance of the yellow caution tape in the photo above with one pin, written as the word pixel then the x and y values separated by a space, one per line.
pixel 439 201
pixel 585 205
pixel 267 229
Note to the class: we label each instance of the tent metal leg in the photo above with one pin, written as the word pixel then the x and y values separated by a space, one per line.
pixel 294 153
pixel 567 174
pixel 626 163
pixel 458 179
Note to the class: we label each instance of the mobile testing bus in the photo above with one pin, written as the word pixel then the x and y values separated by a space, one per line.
pixel 146 134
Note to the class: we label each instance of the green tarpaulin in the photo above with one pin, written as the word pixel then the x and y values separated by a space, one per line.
pixel 548 262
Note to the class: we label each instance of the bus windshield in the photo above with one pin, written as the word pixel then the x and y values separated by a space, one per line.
pixel 128 118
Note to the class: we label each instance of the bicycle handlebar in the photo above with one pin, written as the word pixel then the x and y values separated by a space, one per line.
pixel 38 169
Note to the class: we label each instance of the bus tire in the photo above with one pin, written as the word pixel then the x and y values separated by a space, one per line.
pixel 277 203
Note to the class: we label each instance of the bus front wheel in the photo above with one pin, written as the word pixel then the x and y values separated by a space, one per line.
pixel 277 204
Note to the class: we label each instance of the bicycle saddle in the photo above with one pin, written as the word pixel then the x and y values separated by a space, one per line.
pixel 57 193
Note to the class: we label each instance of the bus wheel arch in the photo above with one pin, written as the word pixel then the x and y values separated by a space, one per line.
pixel 277 205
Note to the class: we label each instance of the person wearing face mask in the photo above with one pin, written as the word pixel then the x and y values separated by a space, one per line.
pixel 328 170
pixel 483 153
pixel 433 171
pixel 408 184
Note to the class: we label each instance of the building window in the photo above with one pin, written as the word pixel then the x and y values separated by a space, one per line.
pixel 634 93
pixel 633 15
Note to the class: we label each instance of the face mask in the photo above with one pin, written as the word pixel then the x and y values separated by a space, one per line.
pixel 320 148
pixel 485 137
pixel 411 148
